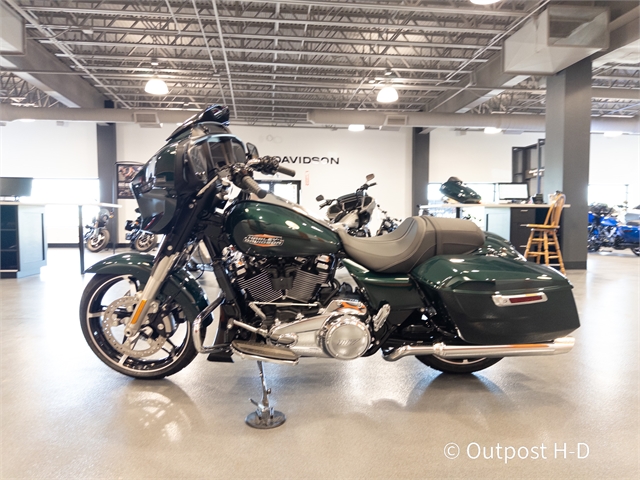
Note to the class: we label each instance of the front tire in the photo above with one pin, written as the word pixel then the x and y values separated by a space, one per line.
pixel 99 241
pixel 145 242
pixel 457 365
pixel 164 345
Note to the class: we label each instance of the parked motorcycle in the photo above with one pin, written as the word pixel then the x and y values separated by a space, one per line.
pixel 355 212
pixel 139 239
pixel 438 289
pixel 606 231
pixel 456 191
pixel 97 236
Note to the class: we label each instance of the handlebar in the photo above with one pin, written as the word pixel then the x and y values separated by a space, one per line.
pixel 251 186
pixel 286 171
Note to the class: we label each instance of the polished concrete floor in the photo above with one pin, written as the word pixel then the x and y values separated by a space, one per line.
pixel 65 415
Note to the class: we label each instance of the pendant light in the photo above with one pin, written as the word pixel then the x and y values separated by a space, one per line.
pixel 387 95
pixel 156 86
pixel 484 2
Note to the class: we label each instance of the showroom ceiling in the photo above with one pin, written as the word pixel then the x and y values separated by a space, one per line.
pixel 274 61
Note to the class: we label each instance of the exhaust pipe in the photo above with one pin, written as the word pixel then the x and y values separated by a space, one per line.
pixel 558 346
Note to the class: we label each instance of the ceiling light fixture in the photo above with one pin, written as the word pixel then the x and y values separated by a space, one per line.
pixel 484 2
pixel 492 130
pixel 612 134
pixel 156 86
pixel 356 128
pixel 387 95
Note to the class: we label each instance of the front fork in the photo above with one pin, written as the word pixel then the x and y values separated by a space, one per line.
pixel 145 299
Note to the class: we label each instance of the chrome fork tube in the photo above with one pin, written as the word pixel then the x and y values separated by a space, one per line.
pixel 157 277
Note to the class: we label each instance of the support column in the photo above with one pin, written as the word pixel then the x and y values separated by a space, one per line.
pixel 420 169
pixel 107 157
pixel 568 125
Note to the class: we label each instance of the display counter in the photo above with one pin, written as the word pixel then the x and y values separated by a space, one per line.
pixel 23 243
pixel 505 219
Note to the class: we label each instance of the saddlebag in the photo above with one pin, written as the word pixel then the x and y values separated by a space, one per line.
pixel 494 300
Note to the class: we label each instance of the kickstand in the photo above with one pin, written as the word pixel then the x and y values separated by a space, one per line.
pixel 265 416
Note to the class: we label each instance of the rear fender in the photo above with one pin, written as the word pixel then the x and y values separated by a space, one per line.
pixel 182 286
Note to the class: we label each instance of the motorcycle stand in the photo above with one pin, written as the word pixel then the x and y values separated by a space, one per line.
pixel 265 416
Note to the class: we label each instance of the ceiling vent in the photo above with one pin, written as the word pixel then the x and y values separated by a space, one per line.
pixel 147 119
pixel 395 121
pixel 555 40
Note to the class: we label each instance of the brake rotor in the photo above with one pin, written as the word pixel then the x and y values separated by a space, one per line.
pixel 141 345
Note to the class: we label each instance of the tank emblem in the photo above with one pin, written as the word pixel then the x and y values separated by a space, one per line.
pixel 263 240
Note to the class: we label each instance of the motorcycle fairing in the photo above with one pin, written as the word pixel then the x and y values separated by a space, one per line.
pixel 469 286
pixel 139 265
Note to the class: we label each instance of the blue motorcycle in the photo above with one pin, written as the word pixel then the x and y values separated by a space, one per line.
pixel 606 231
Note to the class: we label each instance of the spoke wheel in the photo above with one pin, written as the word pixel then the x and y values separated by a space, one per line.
pixel 99 241
pixel 457 365
pixel 164 343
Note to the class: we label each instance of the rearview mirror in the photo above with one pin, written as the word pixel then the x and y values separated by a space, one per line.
pixel 252 151
pixel 319 198
pixel 370 177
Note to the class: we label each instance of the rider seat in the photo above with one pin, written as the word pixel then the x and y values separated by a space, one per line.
pixel 416 240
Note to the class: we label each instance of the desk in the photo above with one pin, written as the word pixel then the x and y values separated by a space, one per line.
pixel 504 219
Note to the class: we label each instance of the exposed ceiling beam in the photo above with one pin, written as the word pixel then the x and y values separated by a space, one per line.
pixel 269 51
pixel 291 38
pixel 484 12
pixel 269 20
pixel 71 91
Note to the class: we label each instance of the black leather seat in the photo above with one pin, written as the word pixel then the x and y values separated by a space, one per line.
pixel 416 240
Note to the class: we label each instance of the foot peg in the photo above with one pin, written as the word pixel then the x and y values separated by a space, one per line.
pixel 265 416
pixel 264 353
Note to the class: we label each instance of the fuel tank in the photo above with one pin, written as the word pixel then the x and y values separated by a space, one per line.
pixel 275 229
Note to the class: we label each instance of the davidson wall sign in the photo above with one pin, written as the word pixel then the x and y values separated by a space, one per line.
pixel 308 160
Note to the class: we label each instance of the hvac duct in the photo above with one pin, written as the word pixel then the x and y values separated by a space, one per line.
pixel 513 123
pixel 519 123
pixel 559 37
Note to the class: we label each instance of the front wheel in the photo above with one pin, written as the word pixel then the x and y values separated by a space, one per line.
pixel 163 345
pixel 98 240
pixel 145 242
pixel 457 365
pixel 636 251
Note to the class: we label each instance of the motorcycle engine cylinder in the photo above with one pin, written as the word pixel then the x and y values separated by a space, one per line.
pixel 345 337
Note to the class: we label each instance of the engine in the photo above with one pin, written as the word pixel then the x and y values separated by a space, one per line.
pixel 340 330
pixel 298 279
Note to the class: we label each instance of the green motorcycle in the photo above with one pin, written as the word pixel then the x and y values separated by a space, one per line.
pixel 437 289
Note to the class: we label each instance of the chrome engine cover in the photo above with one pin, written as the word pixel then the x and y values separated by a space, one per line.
pixel 341 331
pixel 345 337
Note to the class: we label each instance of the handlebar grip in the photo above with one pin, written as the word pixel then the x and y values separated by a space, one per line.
pixel 251 186
pixel 372 184
pixel 286 170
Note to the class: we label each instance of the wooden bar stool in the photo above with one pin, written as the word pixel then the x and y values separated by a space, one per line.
pixel 544 236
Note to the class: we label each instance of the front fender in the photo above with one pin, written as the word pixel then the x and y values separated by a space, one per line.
pixel 182 286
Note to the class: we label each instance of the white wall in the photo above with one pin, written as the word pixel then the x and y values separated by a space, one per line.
pixel 386 154
pixel 474 157
pixel 478 157
pixel 615 161
pixel 41 149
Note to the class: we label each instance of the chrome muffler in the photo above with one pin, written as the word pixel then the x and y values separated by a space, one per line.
pixel 558 346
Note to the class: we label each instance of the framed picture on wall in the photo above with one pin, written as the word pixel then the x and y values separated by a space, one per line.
pixel 125 173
